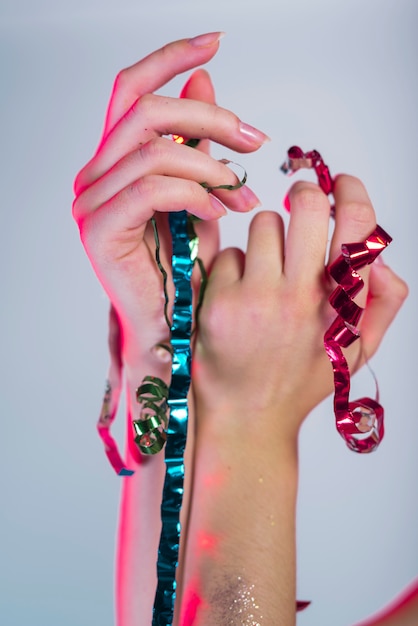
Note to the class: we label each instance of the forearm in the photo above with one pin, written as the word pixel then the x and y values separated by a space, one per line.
pixel 139 522
pixel 137 544
pixel 140 516
pixel 240 562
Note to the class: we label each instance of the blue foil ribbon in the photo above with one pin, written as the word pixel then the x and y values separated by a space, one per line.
pixel 183 257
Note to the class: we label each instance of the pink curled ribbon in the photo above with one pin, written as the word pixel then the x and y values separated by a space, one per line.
pixel 361 422
pixel 111 397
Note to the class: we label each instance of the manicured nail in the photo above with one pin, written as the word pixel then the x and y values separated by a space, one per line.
pixel 286 203
pixel 251 200
pixel 253 135
pixel 217 206
pixel 206 40
pixel 379 261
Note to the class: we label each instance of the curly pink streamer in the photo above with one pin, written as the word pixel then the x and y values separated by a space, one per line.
pixel 361 422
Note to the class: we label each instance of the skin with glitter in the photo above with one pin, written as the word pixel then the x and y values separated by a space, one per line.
pixel 232 601
pixel 244 608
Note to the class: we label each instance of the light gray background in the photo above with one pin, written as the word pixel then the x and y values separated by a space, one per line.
pixel 337 76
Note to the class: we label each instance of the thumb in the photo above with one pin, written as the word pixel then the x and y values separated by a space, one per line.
pixel 199 87
pixel 387 293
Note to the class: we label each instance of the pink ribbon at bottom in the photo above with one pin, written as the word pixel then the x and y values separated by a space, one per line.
pixel 360 423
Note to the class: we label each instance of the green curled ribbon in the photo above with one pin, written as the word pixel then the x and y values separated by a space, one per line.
pixel 150 429
pixel 239 184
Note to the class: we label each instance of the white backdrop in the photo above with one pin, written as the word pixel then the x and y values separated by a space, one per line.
pixel 339 77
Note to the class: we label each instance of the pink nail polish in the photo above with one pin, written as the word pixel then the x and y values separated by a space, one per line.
pixel 379 261
pixel 253 135
pixel 217 206
pixel 250 198
pixel 286 203
pixel 206 40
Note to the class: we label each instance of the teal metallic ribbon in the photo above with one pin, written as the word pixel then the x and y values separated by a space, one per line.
pixel 183 257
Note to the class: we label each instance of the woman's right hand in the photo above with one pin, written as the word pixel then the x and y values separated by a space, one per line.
pixel 137 173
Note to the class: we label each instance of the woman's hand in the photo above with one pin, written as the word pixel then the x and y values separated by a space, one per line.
pixel 259 367
pixel 260 353
pixel 137 173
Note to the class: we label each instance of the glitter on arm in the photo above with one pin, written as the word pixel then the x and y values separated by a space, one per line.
pixel 233 602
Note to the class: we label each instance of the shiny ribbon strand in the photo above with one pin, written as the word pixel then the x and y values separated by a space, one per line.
pixel 361 422
pixel 183 257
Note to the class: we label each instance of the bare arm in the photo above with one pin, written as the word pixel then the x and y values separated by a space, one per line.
pixel 136 174
pixel 259 368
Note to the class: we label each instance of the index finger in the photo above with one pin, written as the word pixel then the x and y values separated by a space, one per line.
pixel 155 70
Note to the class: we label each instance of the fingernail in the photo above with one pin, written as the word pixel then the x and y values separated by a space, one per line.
pixel 379 261
pixel 251 200
pixel 253 135
pixel 217 206
pixel 286 203
pixel 208 39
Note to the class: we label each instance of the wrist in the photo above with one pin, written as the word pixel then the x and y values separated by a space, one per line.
pixel 152 363
pixel 253 426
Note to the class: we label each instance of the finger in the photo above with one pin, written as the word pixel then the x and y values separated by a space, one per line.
pixel 155 70
pixel 227 269
pixel 264 258
pixel 120 222
pixel 387 292
pixel 164 157
pixel 307 235
pixel 199 87
pixel 153 116
pixel 355 219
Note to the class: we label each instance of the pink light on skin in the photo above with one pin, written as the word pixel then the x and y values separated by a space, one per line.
pixel 193 601
pixel 193 604
pixel 208 543
pixel 214 481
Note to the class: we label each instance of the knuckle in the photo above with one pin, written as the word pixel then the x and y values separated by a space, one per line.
pixel 91 236
pixel 165 50
pixel 223 117
pixel 77 209
pixel 147 100
pixel 122 79
pixel 360 213
pixel 140 191
pixel 213 316
pixel 144 104
pixel 79 182
pixel 153 150
pixel 142 108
